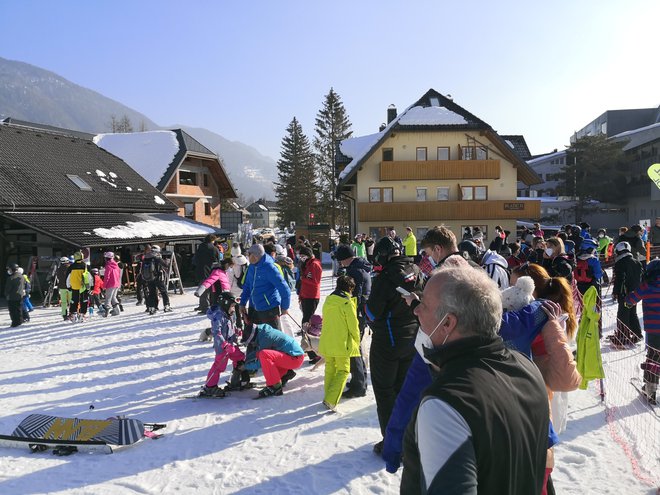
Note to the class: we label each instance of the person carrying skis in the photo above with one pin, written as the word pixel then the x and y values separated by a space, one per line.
pixel 225 344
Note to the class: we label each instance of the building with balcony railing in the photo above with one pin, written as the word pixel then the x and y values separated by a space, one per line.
pixel 435 163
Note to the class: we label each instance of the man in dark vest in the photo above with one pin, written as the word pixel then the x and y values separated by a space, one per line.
pixel 482 425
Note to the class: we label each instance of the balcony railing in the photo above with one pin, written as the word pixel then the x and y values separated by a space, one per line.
pixel 440 170
pixel 439 211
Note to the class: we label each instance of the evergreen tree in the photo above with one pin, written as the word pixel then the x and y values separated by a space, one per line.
pixel 296 188
pixel 594 171
pixel 332 126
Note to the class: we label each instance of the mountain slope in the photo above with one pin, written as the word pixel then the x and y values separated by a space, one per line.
pixel 37 95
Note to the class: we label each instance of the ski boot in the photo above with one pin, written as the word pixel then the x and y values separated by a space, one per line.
pixel 288 376
pixel 152 311
pixel 115 310
pixel 651 376
pixel 212 392
pixel 167 309
pixel 269 391
pixel 205 335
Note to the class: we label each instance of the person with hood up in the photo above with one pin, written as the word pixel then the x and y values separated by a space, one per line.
pixel 217 281
pixel 340 339
pixel 627 278
pixel 264 290
pixel 497 268
pixel 359 270
pixel 14 292
pixel 111 283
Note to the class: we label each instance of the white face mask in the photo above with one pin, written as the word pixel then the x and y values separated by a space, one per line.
pixel 9 272
pixel 423 341
pixel 549 251
pixel 303 258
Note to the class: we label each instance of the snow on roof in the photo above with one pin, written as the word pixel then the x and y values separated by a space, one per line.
pixel 638 137
pixel 431 116
pixel 148 153
pixel 511 145
pixel 152 227
pixel 549 156
pixel 263 207
pixel 356 148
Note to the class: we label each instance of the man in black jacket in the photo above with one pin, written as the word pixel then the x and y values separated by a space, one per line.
pixel 627 278
pixel 205 256
pixel 482 425
pixel 394 326
pixel 359 269
pixel 14 292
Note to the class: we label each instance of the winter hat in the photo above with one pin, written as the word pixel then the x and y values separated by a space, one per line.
pixel 240 260
pixel 155 248
pixel 256 250
pixel 279 250
pixel 284 260
pixel 343 252
pixel 19 270
pixel 621 247
pixel 95 271
pixel 518 296
pixel 305 251
pixel 235 250
pixel 109 254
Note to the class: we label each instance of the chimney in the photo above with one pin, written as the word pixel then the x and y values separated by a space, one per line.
pixel 391 113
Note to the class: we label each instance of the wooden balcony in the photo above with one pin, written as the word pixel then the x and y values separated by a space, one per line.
pixel 440 170
pixel 437 212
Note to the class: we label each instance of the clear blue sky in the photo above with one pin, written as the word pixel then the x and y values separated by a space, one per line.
pixel 245 68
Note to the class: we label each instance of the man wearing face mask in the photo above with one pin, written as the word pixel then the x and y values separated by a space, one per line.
pixel 393 324
pixel 486 399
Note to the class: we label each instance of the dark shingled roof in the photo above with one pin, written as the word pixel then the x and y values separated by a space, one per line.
pixel 78 229
pixel 519 145
pixel 35 166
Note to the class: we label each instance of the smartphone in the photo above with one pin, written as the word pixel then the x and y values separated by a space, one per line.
pixel 402 291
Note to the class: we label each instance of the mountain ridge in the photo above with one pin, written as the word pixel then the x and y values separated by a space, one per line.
pixel 33 94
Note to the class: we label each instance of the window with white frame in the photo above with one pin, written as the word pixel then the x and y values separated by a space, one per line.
pixel 421 154
pixel 443 153
pixel 421 194
pixel 442 194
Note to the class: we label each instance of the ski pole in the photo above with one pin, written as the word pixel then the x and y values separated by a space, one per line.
pixel 297 324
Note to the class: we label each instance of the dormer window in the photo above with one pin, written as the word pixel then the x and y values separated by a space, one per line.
pixel 82 185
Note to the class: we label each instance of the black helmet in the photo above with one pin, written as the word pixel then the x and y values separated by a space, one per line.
pixel 226 300
pixel 384 248
pixel 13 267
pixel 468 250
pixel 653 269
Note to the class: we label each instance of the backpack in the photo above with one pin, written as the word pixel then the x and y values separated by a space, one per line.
pixel 149 270
pixel 583 272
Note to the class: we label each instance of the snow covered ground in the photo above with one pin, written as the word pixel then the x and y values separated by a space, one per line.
pixel 140 366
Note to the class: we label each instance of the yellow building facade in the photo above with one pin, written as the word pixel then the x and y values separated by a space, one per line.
pixel 434 164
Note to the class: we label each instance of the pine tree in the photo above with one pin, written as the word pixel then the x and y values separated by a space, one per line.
pixel 594 171
pixel 332 126
pixel 296 188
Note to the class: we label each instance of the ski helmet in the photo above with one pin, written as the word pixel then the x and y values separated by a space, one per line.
pixel 12 267
pixel 155 249
pixel 109 254
pixel 384 248
pixel 226 301
pixel 64 259
pixel 77 256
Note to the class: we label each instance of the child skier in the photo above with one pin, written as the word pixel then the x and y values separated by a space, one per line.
pixel 649 294
pixel 341 339
pixel 95 291
pixel 224 344
pixel 26 304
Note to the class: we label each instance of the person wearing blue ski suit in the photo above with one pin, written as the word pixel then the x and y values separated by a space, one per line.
pixel 264 289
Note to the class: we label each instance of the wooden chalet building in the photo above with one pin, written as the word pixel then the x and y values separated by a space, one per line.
pixel 59 192
pixel 435 163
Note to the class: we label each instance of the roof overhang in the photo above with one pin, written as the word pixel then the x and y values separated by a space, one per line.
pixel 90 229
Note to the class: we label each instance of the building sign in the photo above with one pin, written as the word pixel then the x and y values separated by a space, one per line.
pixel 514 206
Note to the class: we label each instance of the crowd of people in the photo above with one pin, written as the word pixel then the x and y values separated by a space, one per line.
pixel 469 347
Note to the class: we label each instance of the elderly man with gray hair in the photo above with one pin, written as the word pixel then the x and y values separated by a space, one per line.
pixel 482 425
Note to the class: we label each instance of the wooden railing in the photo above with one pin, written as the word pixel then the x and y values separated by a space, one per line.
pixel 440 170
pixel 439 211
